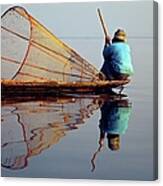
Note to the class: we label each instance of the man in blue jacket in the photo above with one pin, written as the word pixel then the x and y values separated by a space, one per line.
pixel 117 58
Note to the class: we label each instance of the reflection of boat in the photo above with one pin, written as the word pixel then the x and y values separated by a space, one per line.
pixel 35 61
pixel 30 127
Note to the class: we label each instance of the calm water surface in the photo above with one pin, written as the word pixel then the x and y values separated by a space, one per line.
pixel 59 137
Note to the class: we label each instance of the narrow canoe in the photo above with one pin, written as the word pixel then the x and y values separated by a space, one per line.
pixel 35 88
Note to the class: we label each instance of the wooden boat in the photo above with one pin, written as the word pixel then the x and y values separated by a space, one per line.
pixel 39 88
pixel 35 62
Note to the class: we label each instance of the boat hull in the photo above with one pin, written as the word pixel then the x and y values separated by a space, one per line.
pixel 45 88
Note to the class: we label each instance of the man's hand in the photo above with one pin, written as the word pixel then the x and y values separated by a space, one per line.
pixel 107 40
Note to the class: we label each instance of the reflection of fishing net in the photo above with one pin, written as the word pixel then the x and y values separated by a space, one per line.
pixel 31 52
pixel 28 135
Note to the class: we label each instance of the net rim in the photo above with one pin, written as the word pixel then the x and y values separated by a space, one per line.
pixel 30 36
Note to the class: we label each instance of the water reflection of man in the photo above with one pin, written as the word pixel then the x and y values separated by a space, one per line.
pixel 113 123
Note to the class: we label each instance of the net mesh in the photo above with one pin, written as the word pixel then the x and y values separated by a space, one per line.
pixel 31 52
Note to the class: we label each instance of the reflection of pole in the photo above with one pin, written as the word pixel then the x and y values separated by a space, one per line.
pixel 94 157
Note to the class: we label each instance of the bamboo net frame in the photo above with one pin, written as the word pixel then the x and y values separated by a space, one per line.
pixel 31 52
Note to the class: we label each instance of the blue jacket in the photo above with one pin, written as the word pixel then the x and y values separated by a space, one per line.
pixel 118 58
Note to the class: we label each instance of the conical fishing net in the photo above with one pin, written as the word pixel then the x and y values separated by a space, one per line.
pixel 31 52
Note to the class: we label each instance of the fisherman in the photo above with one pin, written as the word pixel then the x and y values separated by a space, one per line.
pixel 117 58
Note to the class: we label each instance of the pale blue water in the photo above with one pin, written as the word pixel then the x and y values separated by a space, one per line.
pixel 39 138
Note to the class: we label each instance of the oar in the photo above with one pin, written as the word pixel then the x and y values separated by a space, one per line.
pixel 106 33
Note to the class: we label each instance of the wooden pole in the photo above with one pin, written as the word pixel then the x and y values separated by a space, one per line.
pixel 106 33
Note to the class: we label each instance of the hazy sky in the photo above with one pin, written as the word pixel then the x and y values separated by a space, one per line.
pixel 68 20
pixel 80 19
